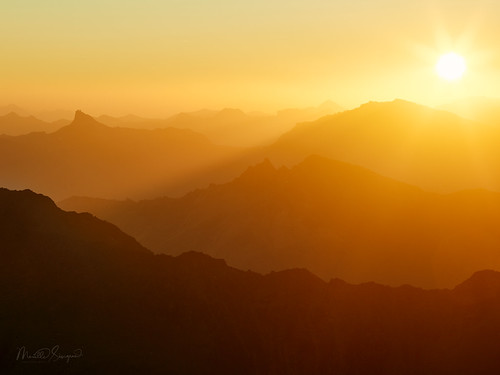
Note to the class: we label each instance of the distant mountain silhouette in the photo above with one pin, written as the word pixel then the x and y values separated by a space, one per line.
pixel 49 116
pixel 120 121
pixel 14 124
pixel 54 115
pixel 74 281
pixel 232 126
pixel 336 219
pixel 90 158
pixel 432 149
pixel 12 108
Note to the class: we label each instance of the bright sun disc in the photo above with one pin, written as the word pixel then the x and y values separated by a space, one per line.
pixel 451 66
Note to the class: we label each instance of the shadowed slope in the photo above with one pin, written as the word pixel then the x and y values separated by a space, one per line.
pixel 74 281
pixel 333 218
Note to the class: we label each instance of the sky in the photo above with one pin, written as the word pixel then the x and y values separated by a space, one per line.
pixel 157 57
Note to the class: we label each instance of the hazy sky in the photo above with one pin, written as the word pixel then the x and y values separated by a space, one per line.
pixel 158 56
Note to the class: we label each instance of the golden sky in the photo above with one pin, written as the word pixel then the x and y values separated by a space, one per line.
pixel 155 57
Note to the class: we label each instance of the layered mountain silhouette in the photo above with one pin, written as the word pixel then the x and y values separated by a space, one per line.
pixel 333 218
pixel 231 126
pixel 432 149
pixel 72 281
pixel 14 124
pixel 90 158
pixel 50 116
pixel 12 108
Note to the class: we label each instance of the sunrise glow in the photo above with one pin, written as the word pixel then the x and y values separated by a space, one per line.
pixel 451 66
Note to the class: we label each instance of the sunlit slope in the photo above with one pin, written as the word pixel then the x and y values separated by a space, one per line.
pixel 336 219
pixel 432 149
pixel 89 158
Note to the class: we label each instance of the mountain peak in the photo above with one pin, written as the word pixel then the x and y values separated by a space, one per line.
pixel 25 200
pixel 265 166
pixel 83 117
pixel 37 214
pixel 11 115
pixel 260 172
pixel 396 103
pixel 81 122
pixel 481 285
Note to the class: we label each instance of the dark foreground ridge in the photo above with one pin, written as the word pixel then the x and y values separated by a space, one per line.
pixel 72 282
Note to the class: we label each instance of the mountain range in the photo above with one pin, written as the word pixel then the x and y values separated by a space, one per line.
pixel 14 124
pixel 432 149
pixel 78 286
pixel 89 158
pixel 44 115
pixel 231 126
pixel 333 218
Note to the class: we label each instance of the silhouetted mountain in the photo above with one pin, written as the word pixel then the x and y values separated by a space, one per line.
pixel 231 126
pixel 13 124
pixel 12 108
pixel 432 149
pixel 89 158
pixel 51 116
pixel 82 125
pixel 71 280
pixel 336 219
pixel 54 115
pixel 119 121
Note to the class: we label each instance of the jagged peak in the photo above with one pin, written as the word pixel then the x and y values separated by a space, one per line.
pixel 258 172
pixel 80 122
pixel 80 117
pixel 264 167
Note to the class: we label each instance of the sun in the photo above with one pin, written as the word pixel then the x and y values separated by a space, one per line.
pixel 451 66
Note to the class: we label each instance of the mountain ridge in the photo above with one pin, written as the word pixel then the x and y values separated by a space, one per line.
pixel 95 159
pixel 127 309
pixel 336 219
